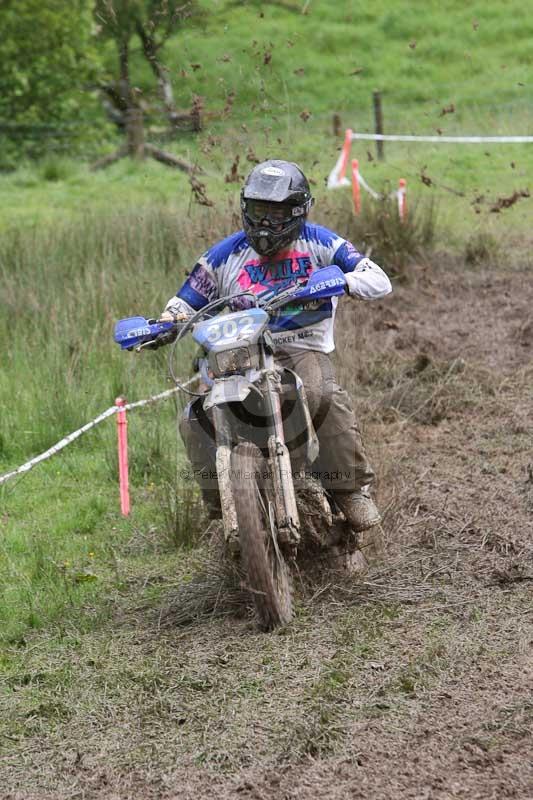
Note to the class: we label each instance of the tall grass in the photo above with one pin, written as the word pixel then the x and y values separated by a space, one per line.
pixel 63 288
pixel 379 232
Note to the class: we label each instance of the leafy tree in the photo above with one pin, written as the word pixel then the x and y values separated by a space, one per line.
pixel 48 59
pixel 152 21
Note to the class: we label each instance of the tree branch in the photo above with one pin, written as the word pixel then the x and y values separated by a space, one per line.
pixel 150 48
pixel 287 6
pixel 106 161
pixel 153 24
pixel 170 160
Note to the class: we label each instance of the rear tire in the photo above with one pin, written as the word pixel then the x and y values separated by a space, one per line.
pixel 267 574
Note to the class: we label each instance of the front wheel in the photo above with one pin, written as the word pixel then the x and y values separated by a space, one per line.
pixel 267 573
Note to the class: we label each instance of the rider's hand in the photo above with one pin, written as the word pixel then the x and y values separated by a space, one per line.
pixel 170 316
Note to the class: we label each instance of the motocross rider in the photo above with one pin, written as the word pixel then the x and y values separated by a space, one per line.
pixel 278 248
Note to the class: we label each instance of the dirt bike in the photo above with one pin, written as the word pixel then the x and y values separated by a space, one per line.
pixel 248 406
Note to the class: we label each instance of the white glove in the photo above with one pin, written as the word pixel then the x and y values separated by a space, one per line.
pixel 368 281
pixel 171 316
pixel 176 310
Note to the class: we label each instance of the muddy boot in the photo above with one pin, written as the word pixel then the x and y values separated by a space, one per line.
pixel 359 509
pixel 346 561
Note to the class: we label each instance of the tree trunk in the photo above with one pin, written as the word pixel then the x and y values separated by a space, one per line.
pixel 127 100
pixel 133 115
pixel 124 73
pixel 135 132
pixel 150 49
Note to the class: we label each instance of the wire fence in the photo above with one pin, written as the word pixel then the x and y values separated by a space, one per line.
pixel 422 115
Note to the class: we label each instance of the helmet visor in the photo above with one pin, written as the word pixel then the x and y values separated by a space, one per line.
pixel 273 215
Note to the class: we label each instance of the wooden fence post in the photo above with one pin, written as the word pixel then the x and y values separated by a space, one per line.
pixel 378 119
pixel 356 191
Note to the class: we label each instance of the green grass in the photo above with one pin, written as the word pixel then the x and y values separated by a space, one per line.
pixel 444 52
pixel 79 250
pixel 279 63
pixel 63 289
pixel 59 544
pixel 66 551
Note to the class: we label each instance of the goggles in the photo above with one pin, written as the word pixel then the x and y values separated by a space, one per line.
pixel 273 214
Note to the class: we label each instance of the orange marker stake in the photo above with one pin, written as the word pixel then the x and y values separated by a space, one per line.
pixel 347 146
pixel 402 199
pixel 356 190
pixel 122 433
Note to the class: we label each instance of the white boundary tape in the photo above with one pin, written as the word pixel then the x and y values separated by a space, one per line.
pixel 337 176
pixel 371 191
pixel 334 179
pixel 56 448
pixel 381 137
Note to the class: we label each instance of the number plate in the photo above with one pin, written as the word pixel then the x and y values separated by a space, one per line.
pixel 240 327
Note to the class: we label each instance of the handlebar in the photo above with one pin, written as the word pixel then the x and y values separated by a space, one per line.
pixel 179 329
pixel 137 333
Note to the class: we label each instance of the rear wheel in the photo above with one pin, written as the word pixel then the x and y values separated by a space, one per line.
pixel 267 574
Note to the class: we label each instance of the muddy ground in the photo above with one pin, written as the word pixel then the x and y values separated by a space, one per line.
pixel 415 681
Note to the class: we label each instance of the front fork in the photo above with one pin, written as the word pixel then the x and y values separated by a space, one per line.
pixel 223 467
pixel 286 511
pixel 288 522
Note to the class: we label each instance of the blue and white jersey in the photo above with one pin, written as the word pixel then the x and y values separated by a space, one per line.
pixel 232 266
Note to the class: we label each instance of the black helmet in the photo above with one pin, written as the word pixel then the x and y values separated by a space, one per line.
pixel 275 202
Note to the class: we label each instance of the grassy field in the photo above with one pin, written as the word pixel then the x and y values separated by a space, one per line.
pixel 79 250
pixel 450 69
pixel 105 694
pixel 63 288
pixel 82 590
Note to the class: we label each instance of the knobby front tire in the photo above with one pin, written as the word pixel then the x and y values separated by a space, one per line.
pixel 267 574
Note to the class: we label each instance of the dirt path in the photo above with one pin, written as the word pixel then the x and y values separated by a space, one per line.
pixel 416 682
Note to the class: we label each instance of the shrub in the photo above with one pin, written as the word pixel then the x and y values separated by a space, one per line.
pixel 481 248
pixel 54 168
pixel 380 233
